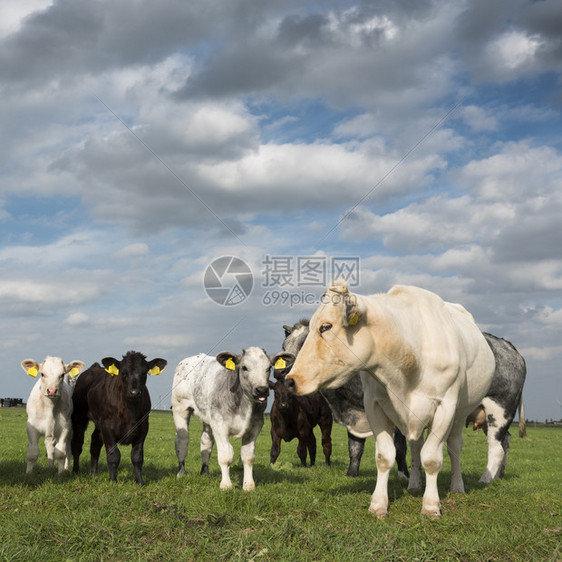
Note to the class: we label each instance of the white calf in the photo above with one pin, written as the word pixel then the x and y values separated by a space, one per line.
pixel 49 408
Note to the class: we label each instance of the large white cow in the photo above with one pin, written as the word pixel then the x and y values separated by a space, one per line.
pixel 49 408
pixel 425 364
pixel 229 395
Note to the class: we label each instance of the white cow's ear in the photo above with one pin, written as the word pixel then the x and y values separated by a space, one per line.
pixel 74 368
pixel 228 360
pixel 30 366
pixel 354 311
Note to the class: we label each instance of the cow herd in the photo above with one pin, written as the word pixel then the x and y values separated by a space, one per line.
pixel 405 366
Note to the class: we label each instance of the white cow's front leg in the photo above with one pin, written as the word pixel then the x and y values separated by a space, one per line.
pixel 225 454
pixel 247 453
pixel 62 450
pixel 383 430
pixel 432 457
pixel 32 447
pixel 50 444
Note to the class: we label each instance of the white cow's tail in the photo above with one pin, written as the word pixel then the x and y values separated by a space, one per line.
pixel 522 425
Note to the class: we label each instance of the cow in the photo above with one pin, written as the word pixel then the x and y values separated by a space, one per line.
pixel 424 362
pixel 116 399
pixel 502 400
pixel 346 404
pixel 296 416
pixel 228 393
pixel 49 408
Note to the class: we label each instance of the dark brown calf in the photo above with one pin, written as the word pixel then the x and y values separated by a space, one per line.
pixel 296 416
pixel 117 401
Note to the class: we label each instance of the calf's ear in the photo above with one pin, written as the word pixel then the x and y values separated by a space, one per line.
pixel 30 366
pixel 228 360
pixel 282 363
pixel 74 368
pixel 111 365
pixel 156 366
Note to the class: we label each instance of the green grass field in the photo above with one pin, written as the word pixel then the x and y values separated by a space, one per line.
pixel 295 513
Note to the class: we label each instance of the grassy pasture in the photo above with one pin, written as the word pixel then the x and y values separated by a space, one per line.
pixel 294 514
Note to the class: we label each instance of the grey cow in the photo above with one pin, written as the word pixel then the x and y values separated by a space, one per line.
pixel 493 416
pixel 228 393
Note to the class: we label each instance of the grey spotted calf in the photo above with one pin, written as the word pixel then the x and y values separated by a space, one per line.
pixel 228 393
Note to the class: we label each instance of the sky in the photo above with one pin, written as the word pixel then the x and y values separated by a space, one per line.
pixel 411 142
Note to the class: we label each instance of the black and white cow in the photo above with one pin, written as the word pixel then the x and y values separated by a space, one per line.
pixel 494 416
pixel 228 393
pixel 347 408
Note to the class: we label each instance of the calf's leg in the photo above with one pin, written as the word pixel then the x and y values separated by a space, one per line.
pixel 326 429
pixel 355 447
pixel 207 442
pixel 32 447
pixel 275 446
pixel 95 447
pixel 137 458
pixel 77 442
pixel 225 454
pixel 181 421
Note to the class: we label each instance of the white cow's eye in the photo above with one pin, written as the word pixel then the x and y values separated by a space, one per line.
pixel 244 368
pixel 325 327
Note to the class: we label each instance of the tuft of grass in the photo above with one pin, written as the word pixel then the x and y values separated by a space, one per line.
pixel 295 513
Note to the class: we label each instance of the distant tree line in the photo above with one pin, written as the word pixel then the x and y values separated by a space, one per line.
pixel 10 402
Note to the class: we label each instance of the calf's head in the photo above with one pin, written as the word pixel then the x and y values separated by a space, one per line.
pixel 337 345
pixel 252 369
pixel 51 372
pixel 133 370
pixel 282 395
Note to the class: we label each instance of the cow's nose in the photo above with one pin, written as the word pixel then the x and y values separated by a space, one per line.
pixel 262 391
pixel 291 385
pixel 51 392
pixel 134 393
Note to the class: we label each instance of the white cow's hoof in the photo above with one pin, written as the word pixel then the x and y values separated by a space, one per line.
pixel 431 512
pixel 249 487
pixel 379 512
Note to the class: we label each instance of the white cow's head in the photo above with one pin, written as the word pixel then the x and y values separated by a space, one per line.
pixel 51 373
pixel 337 345
pixel 253 368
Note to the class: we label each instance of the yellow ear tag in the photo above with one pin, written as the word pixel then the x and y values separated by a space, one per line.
pixel 280 363
pixel 112 370
pixel 73 372
pixel 230 365
pixel 154 371
pixel 32 371
pixel 354 319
